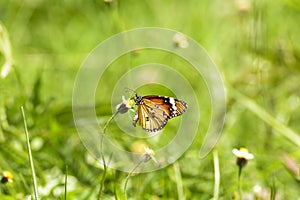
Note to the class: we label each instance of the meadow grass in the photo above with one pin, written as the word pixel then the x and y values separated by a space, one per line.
pixel 255 45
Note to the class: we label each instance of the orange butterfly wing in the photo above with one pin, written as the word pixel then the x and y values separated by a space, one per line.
pixel 154 111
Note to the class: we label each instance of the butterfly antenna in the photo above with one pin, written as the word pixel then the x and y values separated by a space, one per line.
pixel 127 89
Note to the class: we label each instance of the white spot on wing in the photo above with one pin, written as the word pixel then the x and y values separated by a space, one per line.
pixel 172 102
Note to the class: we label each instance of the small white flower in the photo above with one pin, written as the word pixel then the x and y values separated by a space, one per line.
pixel 180 40
pixel 7 177
pixel 149 154
pixel 243 5
pixel 126 105
pixel 243 153
pixel 108 1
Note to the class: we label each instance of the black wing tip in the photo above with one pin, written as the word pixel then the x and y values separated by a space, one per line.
pixel 185 106
pixel 183 103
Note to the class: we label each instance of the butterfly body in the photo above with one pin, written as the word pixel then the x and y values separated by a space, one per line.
pixel 154 112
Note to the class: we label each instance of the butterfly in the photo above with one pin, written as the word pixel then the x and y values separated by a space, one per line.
pixel 153 112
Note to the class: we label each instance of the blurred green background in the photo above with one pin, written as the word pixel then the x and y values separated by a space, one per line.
pixel 254 43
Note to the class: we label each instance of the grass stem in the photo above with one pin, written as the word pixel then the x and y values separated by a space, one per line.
pixel 217 174
pixel 239 183
pixel 36 196
pixel 129 175
pixel 66 182
pixel 102 156
pixel 178 179
pixel 102 178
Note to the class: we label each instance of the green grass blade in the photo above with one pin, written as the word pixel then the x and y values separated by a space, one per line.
pixel 264 115
pixel 217 174
pixel 36 196
pixel 178 179
pixel 66 182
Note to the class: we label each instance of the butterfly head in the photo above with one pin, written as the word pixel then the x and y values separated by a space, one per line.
pixel 138 99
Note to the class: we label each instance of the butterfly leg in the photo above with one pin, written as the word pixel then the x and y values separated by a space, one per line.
pixel 135 119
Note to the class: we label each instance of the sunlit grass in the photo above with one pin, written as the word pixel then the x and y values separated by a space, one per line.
pixel 255 45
